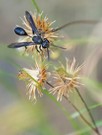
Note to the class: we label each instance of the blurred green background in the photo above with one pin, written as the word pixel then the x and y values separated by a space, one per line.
pixel 19 116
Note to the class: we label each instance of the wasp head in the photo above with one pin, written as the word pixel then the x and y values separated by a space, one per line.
pixel 45 43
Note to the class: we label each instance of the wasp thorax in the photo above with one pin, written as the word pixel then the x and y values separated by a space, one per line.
pixel 45 43
pixel 37 39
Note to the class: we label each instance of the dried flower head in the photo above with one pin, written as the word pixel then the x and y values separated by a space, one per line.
pixel 43 26
pixel 35 79
pixel 66 79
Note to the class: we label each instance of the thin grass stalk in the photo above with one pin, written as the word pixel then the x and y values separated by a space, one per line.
pixel 88 110
pixel 83 118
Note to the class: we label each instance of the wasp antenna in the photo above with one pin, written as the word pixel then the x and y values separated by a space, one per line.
pixel 75 22
pixel 58 46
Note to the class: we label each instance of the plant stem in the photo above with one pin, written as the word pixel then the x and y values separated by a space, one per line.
pixel 83 118
pixel 36 6
pixel 88 110
pixel 95 129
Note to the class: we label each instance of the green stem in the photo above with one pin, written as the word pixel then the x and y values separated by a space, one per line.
pixel 88 110
pixel 36 6
pixel 66 113
pixel 84 119
pixel 88 123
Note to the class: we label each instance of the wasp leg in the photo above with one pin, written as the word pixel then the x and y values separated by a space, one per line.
pixel 37 49
pixel 24 50
pixel 42 53
pixel 40 48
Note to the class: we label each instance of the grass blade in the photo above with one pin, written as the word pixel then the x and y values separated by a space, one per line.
pixel 36 6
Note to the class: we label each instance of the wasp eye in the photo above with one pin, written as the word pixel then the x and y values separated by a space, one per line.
pixel 37 39
pixel 20 31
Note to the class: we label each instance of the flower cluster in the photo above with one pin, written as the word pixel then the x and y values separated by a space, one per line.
pixel 65 78
pixel 35 80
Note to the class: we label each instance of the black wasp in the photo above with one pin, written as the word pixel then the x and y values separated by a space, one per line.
pixel 37 39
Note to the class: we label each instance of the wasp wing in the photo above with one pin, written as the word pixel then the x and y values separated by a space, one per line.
pixel 31 22
pixel 22 44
